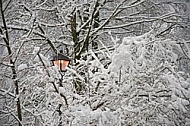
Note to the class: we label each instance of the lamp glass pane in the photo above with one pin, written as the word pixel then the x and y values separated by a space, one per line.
pixel 56 63
pixel 61 64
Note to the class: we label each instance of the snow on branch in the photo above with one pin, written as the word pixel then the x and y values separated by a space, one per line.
pixel 4 92
pixel 74 72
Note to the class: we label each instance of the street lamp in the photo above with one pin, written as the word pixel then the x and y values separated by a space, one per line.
pixel 61 61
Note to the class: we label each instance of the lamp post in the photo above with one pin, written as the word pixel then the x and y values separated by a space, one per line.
pixel 61 61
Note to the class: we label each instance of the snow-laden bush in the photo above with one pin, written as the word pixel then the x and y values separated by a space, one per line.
pixel 147 87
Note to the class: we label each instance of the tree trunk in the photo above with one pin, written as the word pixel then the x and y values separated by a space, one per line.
pixel 14 74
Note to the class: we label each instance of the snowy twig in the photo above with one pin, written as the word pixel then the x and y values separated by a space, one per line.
pixel 20 123
pixel 184 52
pixel 35 32
pixel 74 72
pixel 4 92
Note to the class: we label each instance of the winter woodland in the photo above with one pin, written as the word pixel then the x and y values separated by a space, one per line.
pixel 130 63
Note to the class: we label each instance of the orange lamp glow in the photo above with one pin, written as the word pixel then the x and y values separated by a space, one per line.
pixel 61 61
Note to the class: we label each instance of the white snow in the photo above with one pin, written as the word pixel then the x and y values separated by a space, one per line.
pixel 62 90
pixel 36 50
pixel 22 67
pixel 185 84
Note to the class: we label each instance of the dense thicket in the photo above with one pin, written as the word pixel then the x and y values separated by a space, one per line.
pixel 130 62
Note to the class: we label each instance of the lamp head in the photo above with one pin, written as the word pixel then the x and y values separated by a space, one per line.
pixel 61 61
